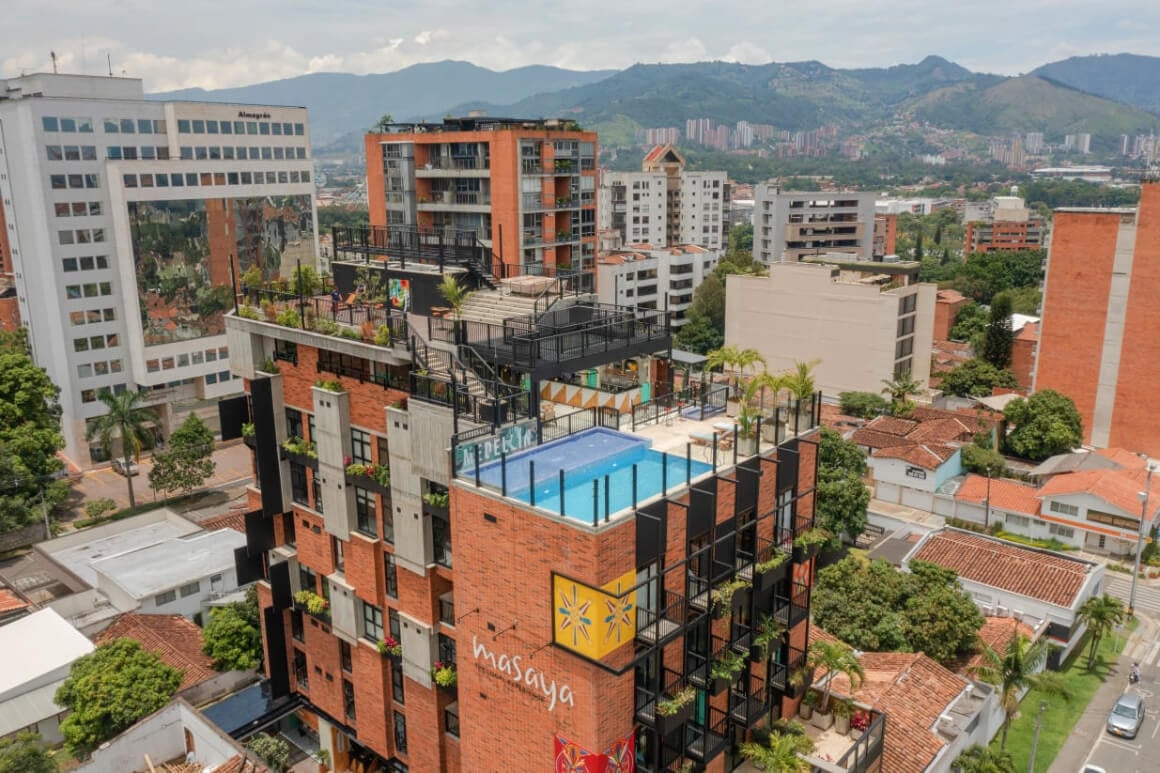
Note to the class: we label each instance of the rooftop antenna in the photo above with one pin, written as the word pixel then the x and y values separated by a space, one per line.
pixel 53 55
pixel 109 61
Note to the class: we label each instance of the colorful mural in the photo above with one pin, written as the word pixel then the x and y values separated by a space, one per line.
pixel 182 253
pixel 573 758
pixel 400 293
pixel 594 622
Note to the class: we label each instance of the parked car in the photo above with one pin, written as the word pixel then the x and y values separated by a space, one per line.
pixel 1092 769
pixel 121 467
pixel 1126 716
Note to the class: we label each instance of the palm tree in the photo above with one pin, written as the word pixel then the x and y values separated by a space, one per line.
pixel 781 752
pixel 124 420
pixel 383 123
pixel 454 293
pixel 1100 613
pixel 900 389
pixel 749 358
pixel 799 381
pixel 834 658
pixel 1017 669
pixel 983 759
pixel 722 358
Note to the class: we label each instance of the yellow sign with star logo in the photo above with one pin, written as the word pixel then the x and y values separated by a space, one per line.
pixel 594 621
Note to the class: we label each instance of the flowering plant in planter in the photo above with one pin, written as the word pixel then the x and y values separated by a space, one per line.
pixel 390 646
pixel 444 674
pixel 313 603
pixel 860 720
pixel 668 707
pixel 380 472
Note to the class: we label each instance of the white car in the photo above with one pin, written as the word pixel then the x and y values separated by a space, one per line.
pixel 121 467
pixel 1092 769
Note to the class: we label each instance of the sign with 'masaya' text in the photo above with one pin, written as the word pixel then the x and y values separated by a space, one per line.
pixel 526 677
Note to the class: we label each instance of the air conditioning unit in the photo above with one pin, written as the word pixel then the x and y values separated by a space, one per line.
pixel 1002 612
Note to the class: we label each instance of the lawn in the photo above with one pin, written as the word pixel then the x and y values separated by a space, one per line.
pixel 1060 717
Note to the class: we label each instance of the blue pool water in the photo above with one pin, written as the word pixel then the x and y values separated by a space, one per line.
pixel 586 457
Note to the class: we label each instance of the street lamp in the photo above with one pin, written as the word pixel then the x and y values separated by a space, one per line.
pixel 987 502
pixel 1140 538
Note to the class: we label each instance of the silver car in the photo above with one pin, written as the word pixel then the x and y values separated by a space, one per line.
pixel 1127 716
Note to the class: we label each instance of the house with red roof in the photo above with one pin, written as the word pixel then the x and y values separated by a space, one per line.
pixel 911 458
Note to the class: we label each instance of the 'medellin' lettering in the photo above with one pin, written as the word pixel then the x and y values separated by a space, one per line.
pixel 528 678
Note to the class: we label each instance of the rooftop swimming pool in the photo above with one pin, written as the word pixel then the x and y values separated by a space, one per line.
pixel 597 467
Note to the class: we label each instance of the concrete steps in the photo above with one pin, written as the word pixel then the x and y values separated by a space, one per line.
pixel 493 306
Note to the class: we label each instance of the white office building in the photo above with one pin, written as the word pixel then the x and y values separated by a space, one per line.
pixel 655 278
pixel 790 225
pixel 123 216
pixel 664 204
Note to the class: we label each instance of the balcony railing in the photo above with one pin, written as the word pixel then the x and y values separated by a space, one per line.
pixel 657 626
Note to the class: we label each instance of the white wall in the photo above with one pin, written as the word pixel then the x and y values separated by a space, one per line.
pixel 162 736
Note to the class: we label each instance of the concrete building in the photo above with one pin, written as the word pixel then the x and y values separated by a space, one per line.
pixel 526 190
pixel 38 652
pixel 1003 223
pixel 861 331
pixel 885 235
pixel 654 278
pixel 125 217
pixel 1092 174
pixel 663 204
pixel 788 225
pixel 458 632
pixel 1097 341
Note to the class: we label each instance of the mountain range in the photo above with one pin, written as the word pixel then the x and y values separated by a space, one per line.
pixel 1103 95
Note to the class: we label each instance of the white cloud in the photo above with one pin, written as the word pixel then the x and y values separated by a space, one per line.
pixel 747 53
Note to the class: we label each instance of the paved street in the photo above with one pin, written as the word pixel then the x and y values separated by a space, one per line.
pixel 1129 756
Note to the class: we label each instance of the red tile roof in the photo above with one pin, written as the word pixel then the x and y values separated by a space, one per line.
pixel 1123 457
pixel 950 296
pixel 174 639
pixel 1036 574
pixel 231 520
pixel 10 602
pixel 1029 332
pixel 873 439
pixel 928 457
pixel 995 633
pixel 1005 494
pixel 1119 488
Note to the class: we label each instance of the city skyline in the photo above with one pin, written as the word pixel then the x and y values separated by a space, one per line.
pixel 94 37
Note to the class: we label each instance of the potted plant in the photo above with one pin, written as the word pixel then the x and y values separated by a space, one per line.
pixel 859 723
pixel 772 570
pixel 390 647
pixel 747 418
pixel 443 674
pixel 296 446
pixel 437 499
pixel 833 658
pixel 726 598
pixel 724 670
pixel 312 602
pixel 799 679
pixel 807 544
pixel 843 710
pixel 672 712
pixel 806 708
pixel 768 631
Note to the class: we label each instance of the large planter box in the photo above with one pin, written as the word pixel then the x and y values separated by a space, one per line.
pixel 767 581
pixel 801 555
pixel 666 725
pixel 719 685
pixel 822 721
pixel 368 483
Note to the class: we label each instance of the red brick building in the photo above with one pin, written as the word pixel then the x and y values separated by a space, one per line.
pixel 450 582
pixel 1097 341
pixel 948 303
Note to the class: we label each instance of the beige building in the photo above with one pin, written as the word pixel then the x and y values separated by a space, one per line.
pixel 861 329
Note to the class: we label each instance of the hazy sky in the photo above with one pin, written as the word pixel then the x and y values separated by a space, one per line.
pixel 218 43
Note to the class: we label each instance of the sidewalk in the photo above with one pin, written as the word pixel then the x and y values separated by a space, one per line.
pixel 1092 723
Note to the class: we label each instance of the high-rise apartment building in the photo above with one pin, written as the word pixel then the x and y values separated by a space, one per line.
pixel 664 205
pixel 662 278
pixel 1097 339
pixel 788 225
pixel 526 189
pixel 1003 223
pixel 124 218
pixel 453 580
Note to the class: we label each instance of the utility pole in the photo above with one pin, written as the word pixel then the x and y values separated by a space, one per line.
pixel 1035 738
pixel 44 512
pixel 1140 539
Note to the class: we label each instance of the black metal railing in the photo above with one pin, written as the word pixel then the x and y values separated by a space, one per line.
pixel 705 741
pixel 578 421
pixel 867 750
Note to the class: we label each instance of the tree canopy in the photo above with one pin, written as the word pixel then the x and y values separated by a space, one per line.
pixel 864 405
pixel 976 378
pixel 998 338
pixel 706 315
pixel 874 607
pixel 188 462
pixel 1047 423
pixel 26 753
pixel 970 323
pixel 233 635
pixel 125 421
pixel 109 689
pixel 842 497
pixel 273 750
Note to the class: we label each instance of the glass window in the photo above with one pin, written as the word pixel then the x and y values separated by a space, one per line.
pixel 191 589
pixel 228 152
pixel 72 153
pixel 198 126
pixel 360 446
pixel 400 732
pixel 62 209
pixel 57 181
pixel 348 699
pixel 88 395
pixel 263 128
pixel 201 153
pixel 84 371
pixel 296 629
pixel 372 622
pixel 392 575
pixel 91 181
pixel 211 127
pixel 191 179
pixel 102 261
pixel 247 178
pixel 55 152
pixel 388 524
pixel 168 597
pixel 112 126
pixel 69 264
pixel 162 180
pixel 187 152
pixel 183 126
pixel 251 127
pixel 297 475
pixel 299 129
pixel 364 505
pixel 227 127
pixel 301 671
pixel 127 126
pixel 65 237
pixel 50 123
pixel 239 127
pixel 267 153
pixel 397 682
pixel 276 129
pixel 88 152
pixel 344 656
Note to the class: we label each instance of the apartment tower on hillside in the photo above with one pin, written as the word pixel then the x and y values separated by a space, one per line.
pixel 1097 341
pixel 126 222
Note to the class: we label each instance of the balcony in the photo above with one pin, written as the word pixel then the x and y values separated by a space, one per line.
pixel 455 166
pixel 658 626
pixel 705 742
pixel 453 201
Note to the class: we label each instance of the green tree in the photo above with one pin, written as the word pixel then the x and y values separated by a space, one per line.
pixel 864 405
pixel 842 497
pixel 274 751
pixel 976 378
pixel 111 688
pixel 918 253
pixel 782 752
pixel 1023 300
pixel 188 462
pixel 233 636
pixel 872 606
pixel 834 658
pixel 454 293
pixel 983 759
pixel 1014 671
pixel 26 753
pixel 938 229
pixel 1047 423
pixel 741 238
pixel 709 303
pixel 1100 614
pixel 900 389
pixel 123 422
pixel 998 339
pixel 970 322
pixel 799 381
pixel 983 461
pixel 698 335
